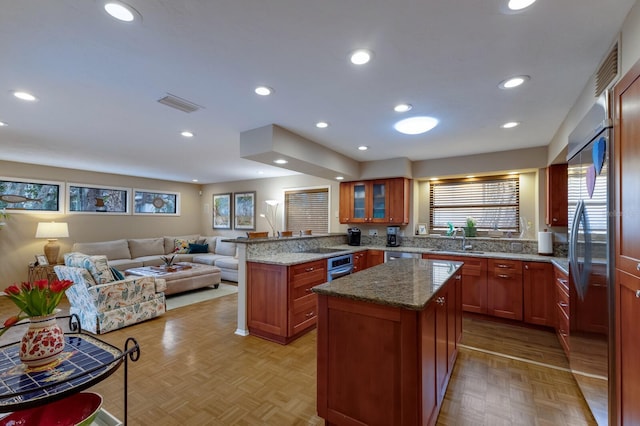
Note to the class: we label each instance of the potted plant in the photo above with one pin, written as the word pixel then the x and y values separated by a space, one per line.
pixel 470 229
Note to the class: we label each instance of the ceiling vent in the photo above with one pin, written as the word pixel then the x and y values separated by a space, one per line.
pixel 608 70
pixel 177 102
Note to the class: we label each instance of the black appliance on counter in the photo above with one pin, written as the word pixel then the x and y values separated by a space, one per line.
pixel 353 236
pixel 393 236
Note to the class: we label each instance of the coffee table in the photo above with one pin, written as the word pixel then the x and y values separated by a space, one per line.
pixel 183 276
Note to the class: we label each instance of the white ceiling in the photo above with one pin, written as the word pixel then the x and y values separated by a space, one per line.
pixel 98 80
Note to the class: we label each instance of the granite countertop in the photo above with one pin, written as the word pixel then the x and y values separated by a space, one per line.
pixel 403 283
pixel 293 258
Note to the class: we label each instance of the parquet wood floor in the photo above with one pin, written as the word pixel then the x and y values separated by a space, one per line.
pixel 194 371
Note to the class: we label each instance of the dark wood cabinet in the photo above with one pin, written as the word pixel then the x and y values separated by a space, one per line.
pixel 557 191
pixel 539 293
pixel 404 384
pixel 280 304
pixel 374 258
pixel 359 261
pixel 474 281
pixel 504 284
pixel 627 245
pixel 384 201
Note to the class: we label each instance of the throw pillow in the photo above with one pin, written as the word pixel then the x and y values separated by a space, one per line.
pixel 96 265
pixel 117 274
pixel 182 246
pixel 198 248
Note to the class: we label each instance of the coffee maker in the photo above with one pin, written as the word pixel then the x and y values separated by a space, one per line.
pixel 393 236
pixel 353 236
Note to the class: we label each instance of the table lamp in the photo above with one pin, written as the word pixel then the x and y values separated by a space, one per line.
pixel 52 231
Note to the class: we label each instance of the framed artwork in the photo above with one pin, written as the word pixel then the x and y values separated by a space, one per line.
pixel 97 199
pixel 422 229
pixel 150 202
pixel 41 259
pixel 221 211
pixel 244 208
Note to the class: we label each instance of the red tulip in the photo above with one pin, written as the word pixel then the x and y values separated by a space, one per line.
pixel 11 321
pixel 12 289
pixel 41 284
pixel 26 286
pixel 59 286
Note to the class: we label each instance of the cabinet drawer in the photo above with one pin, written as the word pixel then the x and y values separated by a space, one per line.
pixel 562 298
pixel 506 269
pixel 562 328
pixel 304 273
pixel 303 313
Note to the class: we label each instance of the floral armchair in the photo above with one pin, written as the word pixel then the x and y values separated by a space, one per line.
pixel 102 301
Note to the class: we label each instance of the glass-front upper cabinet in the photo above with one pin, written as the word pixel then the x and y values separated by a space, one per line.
pixel 379 200
pixel 374 201
pixel 359 202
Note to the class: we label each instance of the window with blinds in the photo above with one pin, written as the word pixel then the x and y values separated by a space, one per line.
pixel 595 205
pixel 307 209
pixel 493 201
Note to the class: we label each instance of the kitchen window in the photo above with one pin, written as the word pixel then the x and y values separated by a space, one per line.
pixel 493 201
pixel 307 209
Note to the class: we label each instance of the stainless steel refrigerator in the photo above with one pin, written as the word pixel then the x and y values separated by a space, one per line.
pixel 591 298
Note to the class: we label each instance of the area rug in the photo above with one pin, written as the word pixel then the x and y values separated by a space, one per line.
pixel 179 300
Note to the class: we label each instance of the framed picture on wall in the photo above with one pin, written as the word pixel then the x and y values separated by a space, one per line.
pixel 244 208
pixel 221 211
pixel 422 229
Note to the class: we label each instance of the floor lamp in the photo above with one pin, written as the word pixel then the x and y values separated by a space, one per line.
pixel 52 231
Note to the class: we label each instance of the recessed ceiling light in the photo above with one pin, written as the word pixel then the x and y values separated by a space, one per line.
pixel 363 147
pixel 416 125
pixel 512 82
pixel 187 134
pixel 322 124
pixel 3 124
pixel 194 180
pixel 339 177
pixel 402 107
pixel 25 96
pixel 264 90
pixel 121 11
pixel 470 177
pixel 434 178
pixel 361 56
pixel 520 4
pixel 280 161
pixel 260 172
pixel 510 125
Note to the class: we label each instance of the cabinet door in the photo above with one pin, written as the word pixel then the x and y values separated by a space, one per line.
pixel 374 258
pixel 345 202
pixel 628 347
pixel 359 210
pixel 379 201
pixel 539 295
pixel 505 288
pixel 430 392
pixel 441 344
pixel 359 261
pixel 266 299
pixel 398 200
pixel 627 178
pixel 557 191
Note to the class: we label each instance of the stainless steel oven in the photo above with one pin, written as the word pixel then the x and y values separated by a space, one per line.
pixel 339 266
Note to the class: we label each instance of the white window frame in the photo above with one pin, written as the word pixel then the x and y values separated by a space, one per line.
pixel 61 195
pixel 306 188
pixel 155 191
pixel 108 187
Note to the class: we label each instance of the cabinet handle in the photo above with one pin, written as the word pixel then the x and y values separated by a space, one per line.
pixel 503 276
pixel 440 301
pixel 503 266
pixel 555 219
pixel 309 314
pixel 638 266
pixel 563 304
pixel 458 277
pixel 309 269
pixel 638 294
pixel 526 266
pixel 562 281
pixel 307 290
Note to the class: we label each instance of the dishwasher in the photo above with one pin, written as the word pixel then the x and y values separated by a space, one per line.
pixel 394 255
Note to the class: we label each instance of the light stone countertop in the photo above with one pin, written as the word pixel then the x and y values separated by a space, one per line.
pixel 292 258
pixel 403 283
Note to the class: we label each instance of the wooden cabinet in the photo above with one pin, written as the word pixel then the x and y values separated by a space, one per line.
pixel 474 281
pixel 404 384
pixel 374 258
pixel 504 283
pixel 375 201
pixel 561 308
pixel 539 293
pixel 359 261
pixel 280 304
pixel 627 245
pixel 590 315
pixel 557 191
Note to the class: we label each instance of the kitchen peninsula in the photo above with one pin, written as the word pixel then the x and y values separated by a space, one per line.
pixel 387 342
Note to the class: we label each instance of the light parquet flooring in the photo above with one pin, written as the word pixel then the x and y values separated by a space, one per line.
pixel 194 371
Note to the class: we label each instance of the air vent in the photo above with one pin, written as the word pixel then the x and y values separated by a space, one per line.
pixel 608 70
pixel 177 102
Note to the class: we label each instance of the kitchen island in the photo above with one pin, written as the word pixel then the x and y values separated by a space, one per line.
pixel 387 342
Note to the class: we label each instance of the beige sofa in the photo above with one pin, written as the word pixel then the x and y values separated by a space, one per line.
pixel 132 253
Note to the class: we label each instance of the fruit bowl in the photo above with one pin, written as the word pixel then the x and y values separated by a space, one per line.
pixel 76 410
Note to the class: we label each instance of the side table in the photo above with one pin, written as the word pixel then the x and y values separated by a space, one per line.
pixel 41 272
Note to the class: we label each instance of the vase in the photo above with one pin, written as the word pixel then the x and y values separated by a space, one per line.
pixel 43 341
pixel 470 231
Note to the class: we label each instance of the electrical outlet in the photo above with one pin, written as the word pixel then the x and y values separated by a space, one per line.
pixel 373 232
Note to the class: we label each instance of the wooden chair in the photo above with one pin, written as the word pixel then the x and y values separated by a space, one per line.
pixel 258 234
pixel 306 232
pixel 285 234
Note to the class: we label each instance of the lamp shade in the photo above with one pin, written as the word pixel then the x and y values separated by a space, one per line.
pixel 52 230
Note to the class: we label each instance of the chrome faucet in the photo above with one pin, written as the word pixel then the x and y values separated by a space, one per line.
pixel 464 239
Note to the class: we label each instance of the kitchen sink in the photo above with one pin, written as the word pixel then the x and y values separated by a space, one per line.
pixel 323 250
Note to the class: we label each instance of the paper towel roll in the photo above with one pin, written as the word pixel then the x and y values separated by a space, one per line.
pixel 545 243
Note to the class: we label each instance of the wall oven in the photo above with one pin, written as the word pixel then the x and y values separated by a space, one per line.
pixel 339 266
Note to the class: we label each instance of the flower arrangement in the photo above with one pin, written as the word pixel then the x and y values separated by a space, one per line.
pixel 471 222
pixel 168 260
pixel 34 300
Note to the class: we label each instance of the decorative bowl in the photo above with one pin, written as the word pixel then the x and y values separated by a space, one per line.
pixel 76 410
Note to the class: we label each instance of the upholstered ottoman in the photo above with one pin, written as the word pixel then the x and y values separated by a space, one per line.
pixel 184 276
